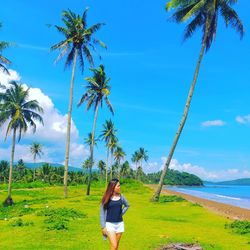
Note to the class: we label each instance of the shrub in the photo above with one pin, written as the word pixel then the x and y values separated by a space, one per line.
pixel 171 198
pixel 58 219
pixel 239 227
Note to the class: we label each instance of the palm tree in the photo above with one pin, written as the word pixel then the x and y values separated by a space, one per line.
pixel 4 169
pixel 20 114
pixel 77 44
pixel 3 60
pixel 108 134
pixel 119 155
pixel 36 150
pixel 125 169
pixel 88 140
pixel 112 146
pixel 204 15
pixel 139 156
pixel 102 166
pixel 135 159
pixel 97 91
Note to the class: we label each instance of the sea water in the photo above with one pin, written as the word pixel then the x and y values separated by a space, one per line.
pixel 229 194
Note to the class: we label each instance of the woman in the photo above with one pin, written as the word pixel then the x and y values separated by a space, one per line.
pixel 111 212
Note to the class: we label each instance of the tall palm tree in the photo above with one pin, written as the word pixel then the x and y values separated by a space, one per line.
pixel 135 159
pixel 108 134
pixel 97 91
pixel 36 149
pixel 20 115
pixel 203 14
pixel 102 166
pixel 119 155
pixel 88 140
pixel 3 60
pixel 143 155
pixel 112 146
pixel 125 169
pixel 77 44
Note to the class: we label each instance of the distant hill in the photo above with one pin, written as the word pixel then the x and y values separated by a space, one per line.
pixel 240 182
pixel 174 177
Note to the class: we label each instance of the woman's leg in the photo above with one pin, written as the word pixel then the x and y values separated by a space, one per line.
pixel 112 240
pixel 118 237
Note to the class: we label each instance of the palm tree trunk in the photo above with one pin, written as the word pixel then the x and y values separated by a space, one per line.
pixel 9 201
pixel 156 196
pixel 107 168
pixel 65 180
pixel 111 162
pixel 34 172
pixel 92 149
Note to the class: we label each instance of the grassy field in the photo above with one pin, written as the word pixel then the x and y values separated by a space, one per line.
pixel 42 219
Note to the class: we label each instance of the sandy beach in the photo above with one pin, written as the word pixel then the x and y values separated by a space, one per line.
pixel 226 210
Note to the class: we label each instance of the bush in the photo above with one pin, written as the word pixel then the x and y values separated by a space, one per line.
pixel 58 219
pixel 239 227
pixel 171 198
pixel 20 223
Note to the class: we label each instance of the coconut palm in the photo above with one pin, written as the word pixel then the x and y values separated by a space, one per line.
pixel 97 92
pixel 112 146
pixel 102 166
pixel 3 60
pixel 203 14
pixel 119 155
pixel 20 115
pixel 4 169
pixel 125 169
pixel 108 134
pixel 77 44
pixel 136 159
pixel 88 140
pixel 36 149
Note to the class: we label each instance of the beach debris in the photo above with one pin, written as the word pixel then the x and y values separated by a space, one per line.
pixel 182 246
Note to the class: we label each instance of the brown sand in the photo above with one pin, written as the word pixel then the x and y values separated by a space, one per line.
pixel 226 210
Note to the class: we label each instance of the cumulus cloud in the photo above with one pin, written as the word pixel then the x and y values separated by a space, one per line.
pixel 214 123
pixel 52 133
pixel 243 119
pixel 203 173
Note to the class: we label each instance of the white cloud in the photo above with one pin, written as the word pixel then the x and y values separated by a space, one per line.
pixel 53 132
pixel 215 123
pixel 203 173
pixel 243 119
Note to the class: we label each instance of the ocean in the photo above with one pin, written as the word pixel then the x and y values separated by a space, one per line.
pixel 229 194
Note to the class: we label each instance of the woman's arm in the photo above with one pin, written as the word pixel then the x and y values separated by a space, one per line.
pixel 126 205
pixel 102 216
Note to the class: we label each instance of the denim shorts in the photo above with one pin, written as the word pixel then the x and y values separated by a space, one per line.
pixel 117 227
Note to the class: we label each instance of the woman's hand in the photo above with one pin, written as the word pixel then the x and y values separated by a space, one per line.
pixel 104 231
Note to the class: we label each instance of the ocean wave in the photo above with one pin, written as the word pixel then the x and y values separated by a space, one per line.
pixel 228 197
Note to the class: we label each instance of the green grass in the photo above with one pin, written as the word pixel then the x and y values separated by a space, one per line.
pixel 42 219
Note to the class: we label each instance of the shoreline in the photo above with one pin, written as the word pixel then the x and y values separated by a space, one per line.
pixel 229 211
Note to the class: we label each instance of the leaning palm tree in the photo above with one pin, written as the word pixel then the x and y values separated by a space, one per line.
pixel 36 149
pixel 3 60
pixel 108 134
pixel 119 155
pixel 97 91
pixel 20 115
pixel 77 44
pixel 203 14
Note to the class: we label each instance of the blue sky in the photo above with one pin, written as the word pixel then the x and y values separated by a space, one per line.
pixel 151 71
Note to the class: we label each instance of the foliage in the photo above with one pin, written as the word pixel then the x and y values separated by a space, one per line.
pixel 174 177
pixel 58 219
pixel 171 198
pixel 239 227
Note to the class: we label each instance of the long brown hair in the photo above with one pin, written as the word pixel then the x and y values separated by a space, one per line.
pixel 109 191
